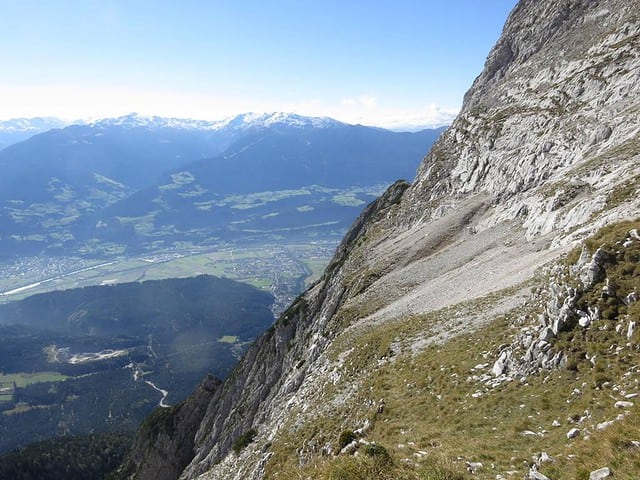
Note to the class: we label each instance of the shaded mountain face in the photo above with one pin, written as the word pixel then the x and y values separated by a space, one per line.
pixel 133 181
pixel 102 358
pixel 423 341
pixel 277 181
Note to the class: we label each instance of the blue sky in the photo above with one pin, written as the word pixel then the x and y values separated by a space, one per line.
pixel 392 63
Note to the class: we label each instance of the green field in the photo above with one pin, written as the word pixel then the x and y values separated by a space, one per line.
pixel 20 380
pixel 228 339
pixel 23 379
pixel 258 266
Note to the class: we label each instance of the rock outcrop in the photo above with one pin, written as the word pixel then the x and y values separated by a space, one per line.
pixel 164 443
pixel 545 151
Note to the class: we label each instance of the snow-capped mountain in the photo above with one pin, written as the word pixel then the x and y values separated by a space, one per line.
pixel 248 121
pixel 18 129
pixel 176 170
pixel 245 121
pixel 31 125
pixel 136 120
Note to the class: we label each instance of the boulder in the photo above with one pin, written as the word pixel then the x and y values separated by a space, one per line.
pixel 573 433
pixel 631 329
pixel 600 474
pixel 594 271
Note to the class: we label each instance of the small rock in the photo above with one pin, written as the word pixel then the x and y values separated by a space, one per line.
pixel 543 458
pixel 631 298
pixel 501 363
pixel 600 474
pixel 534 474
pixel 631 329
pixel 555 423
pixel 584 321
pixel 547 334
pixel 350 448
pixel 473 467
pixel 604 425
pixel 623 404
pixel 573 433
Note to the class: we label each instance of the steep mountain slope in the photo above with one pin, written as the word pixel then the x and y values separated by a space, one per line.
pixel 403 341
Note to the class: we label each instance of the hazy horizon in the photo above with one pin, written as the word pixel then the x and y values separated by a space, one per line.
pixel 398 65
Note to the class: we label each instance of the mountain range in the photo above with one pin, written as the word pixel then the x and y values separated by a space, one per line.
pixel 143 183
pixel 480 322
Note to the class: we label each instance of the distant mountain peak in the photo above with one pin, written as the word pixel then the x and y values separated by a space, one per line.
pixel 136 120
pixel 244 121
pixel 30 125
pixel 263 120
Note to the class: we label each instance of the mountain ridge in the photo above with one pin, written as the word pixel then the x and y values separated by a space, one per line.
pixel 243 121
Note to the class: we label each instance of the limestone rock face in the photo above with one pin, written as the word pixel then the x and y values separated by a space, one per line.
pixel 262 389
pixel 543 153
pixel 553 102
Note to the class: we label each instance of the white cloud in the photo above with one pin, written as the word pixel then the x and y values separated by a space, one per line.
pixel 366 101
pixel 72 102
pixel 365 110
pixel 75 102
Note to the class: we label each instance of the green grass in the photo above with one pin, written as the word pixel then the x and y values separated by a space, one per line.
pixel 438 414
pixel 624 192
pixel 21 380
pixel 142 225
pixel 24 379
pixel 22 407
pixel 348 200
pixel 228 339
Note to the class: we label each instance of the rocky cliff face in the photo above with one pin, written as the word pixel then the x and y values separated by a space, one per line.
pixel 433 276
pixel 164 442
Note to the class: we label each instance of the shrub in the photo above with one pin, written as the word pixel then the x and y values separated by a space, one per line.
pixel 345 438
pixel 243 440
pixel 377 452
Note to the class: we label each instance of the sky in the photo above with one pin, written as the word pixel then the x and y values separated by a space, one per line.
pixel 399 64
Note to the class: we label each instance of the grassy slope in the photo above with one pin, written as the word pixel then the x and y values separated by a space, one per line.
pixel 438 415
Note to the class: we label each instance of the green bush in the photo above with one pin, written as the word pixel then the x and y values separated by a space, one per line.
pixel 244 440
pixel 378 452
pixel 345 438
